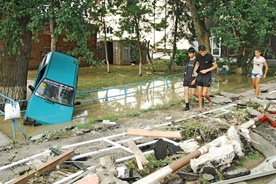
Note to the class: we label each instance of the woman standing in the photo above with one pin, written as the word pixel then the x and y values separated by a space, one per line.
pixel 257 71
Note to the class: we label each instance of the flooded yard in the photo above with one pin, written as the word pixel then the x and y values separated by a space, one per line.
pixel 120 104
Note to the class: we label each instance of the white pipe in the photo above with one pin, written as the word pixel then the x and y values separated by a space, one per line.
pixel 24 160
pixel 108 149
pixel 90 141
pixel 272 92
pixel 93 153
pixel 132 156
pixel 131 139
pixel 63 180
pixel 118 145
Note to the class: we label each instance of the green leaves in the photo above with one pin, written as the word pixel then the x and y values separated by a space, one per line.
pixel 242 23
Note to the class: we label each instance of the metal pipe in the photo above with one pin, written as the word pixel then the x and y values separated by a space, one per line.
pixel 165 171
pixel 24 160
pixel 91 141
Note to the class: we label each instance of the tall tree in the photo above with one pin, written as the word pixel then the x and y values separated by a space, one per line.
pixel 182 27
pixel 134 19
pixel 16 36
pixel 21 20
pixel 244 25
pixel 99 15
pixel 201 31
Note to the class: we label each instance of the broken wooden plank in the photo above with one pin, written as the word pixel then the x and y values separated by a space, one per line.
pixel 154 133
pixel 45 167
pixel 137 152
pixel 139 163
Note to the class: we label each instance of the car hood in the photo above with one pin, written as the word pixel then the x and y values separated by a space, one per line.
pixel 47 112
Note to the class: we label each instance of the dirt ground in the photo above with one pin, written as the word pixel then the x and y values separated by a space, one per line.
pixel 14 152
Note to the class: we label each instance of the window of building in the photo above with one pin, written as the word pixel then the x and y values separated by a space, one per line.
pixel 131 30
pixel 215 48
pixel 109 30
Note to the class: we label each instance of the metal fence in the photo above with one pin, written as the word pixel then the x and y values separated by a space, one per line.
pixel 127 90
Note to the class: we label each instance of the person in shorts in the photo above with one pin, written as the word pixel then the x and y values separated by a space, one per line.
pixel 257 71
pixel 204 65
pixel 189 81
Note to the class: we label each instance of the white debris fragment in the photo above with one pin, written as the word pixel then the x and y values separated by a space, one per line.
pixel 108 122
pixel 189 145
pixel 168 118
pixel 221 152
pixel 216 156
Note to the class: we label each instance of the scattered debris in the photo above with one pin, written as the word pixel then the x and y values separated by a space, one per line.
pixel 188 176
pixel 189 146
pixel 236 173
pixel 140 158
pixel 206 161
pixel 45 167
pixel 162 149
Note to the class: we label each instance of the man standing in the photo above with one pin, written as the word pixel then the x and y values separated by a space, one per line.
pixel 204 65
pixel 189 78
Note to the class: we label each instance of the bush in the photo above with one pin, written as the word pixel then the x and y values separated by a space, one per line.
pixel 181 57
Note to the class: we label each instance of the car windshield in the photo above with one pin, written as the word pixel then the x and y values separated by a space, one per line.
pixel 55 92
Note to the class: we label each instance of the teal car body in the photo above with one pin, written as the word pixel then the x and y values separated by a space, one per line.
pixel 54 91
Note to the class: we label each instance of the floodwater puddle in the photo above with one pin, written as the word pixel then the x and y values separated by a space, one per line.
pixel 115 102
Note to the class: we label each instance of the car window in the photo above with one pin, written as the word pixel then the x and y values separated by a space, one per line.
pixel 55 92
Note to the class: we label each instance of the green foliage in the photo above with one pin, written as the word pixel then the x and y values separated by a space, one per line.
pixel 241 23
pixel 254 155
pixel 60 134
pixel 181 57
pixel 69 18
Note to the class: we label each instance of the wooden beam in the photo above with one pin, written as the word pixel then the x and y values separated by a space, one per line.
pixel 140 158
pixel 45 167
pixel 154 133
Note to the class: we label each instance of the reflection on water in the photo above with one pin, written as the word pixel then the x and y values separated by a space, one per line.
pixel 114 102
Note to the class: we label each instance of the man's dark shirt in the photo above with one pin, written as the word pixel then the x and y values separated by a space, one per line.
pixel 205 63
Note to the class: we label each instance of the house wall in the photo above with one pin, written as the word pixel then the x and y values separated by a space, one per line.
pixel 39 49
pixel 43 47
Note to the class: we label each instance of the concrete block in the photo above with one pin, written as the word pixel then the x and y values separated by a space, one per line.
pixel 216 156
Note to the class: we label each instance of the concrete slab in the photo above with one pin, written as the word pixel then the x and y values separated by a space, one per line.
pixel 4 140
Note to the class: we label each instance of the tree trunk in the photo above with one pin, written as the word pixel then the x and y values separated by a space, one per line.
pixel 147 45
pixel 14 68
pixel 176 15
pixel 52 29
pixel 140 57
pixel 139 45
pixel 105 49
pixel 201 31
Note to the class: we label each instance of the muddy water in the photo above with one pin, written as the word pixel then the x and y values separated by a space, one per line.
pixel 121 105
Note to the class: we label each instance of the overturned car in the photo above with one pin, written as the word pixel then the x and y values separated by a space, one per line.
pixel 54 91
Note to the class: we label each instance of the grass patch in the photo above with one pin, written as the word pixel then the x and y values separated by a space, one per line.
pixel 97 78
pixel 152 166
pixel 253 155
